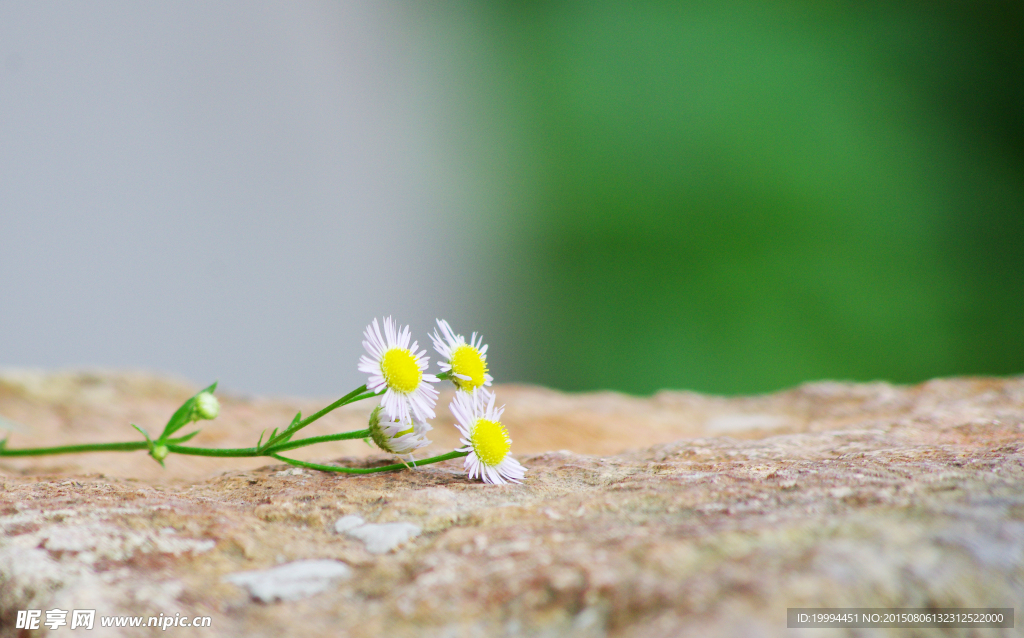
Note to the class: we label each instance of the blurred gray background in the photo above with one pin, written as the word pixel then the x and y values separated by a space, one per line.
pixel 727 197
pixel 227 190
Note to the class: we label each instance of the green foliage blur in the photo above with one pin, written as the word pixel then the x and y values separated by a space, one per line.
pixel 737 197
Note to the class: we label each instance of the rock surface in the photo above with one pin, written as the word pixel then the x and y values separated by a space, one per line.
pixel 671 515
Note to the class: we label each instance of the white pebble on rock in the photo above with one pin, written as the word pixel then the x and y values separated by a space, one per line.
pixel 291 581
pixel 346 523
pixel 378 538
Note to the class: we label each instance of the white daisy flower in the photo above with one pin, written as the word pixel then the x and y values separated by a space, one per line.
pixel 396 369
pixel 485 438
pixel 467 361
pixel 398 437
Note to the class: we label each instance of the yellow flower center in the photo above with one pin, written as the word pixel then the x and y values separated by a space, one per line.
pixel 490 441
pixel 468 361
pixel 400 370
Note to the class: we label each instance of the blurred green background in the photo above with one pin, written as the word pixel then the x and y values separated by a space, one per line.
pixel 738 197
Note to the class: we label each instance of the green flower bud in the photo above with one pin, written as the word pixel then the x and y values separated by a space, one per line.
pixel 160 453
pixel 375 432
pixel 207 406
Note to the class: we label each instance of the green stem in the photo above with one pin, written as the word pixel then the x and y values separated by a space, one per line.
pixel 369 470
pixel 212 451
pixel 129 446
pixel 132 446
pixel 252 451
pixel 71 449
pixel 291 445
pixel 358 394
pixel 279 443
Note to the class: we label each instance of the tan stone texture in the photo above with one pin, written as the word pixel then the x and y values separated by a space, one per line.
pixel 678 514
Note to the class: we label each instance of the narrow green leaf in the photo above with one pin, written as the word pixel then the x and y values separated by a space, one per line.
pixel 288 433
pixel 277 439
pixel 183 415
pixel 182 439
pixel 261 446
pixel 143 433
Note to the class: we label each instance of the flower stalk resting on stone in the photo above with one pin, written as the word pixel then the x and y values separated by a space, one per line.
pixel 398 425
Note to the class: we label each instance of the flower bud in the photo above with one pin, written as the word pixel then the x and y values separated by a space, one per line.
pixel 160 453
pixel 207 406
pixel 398 437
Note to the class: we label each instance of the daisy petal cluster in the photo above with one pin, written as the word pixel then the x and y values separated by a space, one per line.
pixel 399 424
pixel 465 361
pixel 397 370
pixel 485 438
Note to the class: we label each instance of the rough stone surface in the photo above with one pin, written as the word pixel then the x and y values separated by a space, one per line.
pixel 678 514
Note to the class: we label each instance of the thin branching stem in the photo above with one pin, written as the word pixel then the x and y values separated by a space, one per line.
pixel 343 436
pixel 358 394
pixel 369 470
